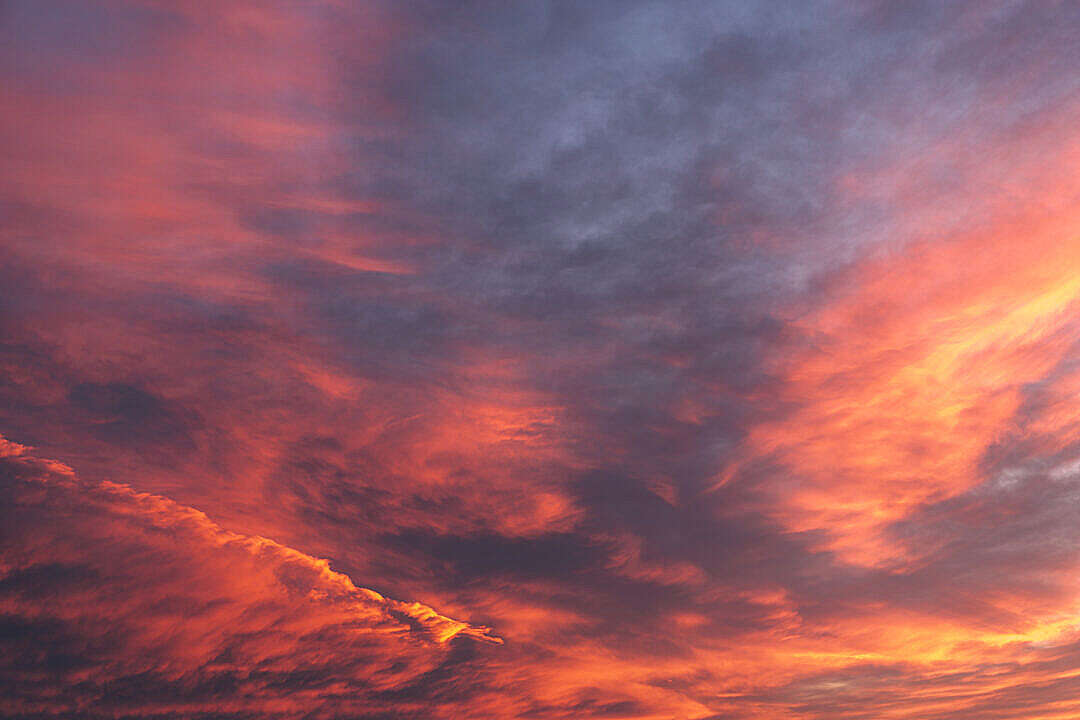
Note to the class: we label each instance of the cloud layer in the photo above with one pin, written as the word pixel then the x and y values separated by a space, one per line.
pixel 699 359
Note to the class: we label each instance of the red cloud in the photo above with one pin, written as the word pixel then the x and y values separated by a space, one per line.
pixel 122 589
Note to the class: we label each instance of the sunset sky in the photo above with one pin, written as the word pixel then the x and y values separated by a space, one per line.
pixel 552 360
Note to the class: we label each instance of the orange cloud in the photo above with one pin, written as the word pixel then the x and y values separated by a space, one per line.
pixel 209 619
pixel 917 365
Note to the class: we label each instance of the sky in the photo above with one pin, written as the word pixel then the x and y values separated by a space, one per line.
pixel 388 359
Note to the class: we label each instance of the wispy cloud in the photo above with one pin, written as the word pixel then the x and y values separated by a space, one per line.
pixel 720 357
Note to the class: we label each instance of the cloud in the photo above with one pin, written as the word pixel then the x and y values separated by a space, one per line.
pixel 720 355
pixel 118 599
